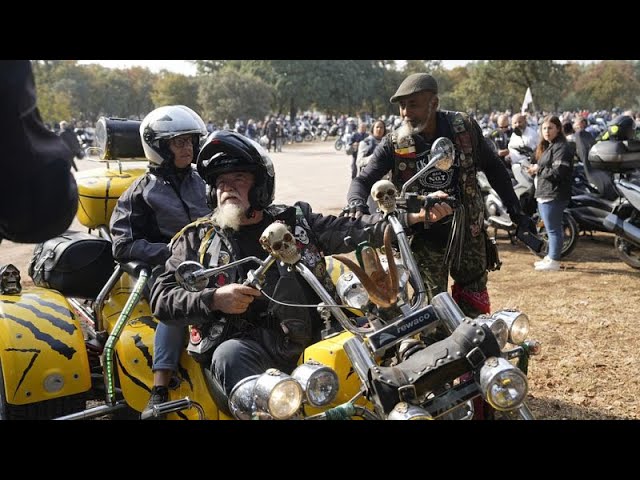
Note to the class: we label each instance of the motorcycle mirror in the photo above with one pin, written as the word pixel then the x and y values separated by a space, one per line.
pixel 442 156
pixel 193 277
pixel 187 278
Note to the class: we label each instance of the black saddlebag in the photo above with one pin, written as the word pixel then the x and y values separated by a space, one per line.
pixel 76 264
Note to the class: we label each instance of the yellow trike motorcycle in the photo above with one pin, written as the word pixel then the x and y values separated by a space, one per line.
pixel 86 334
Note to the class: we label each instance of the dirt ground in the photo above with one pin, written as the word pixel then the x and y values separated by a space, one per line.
pixel 585 315
pixel 586 318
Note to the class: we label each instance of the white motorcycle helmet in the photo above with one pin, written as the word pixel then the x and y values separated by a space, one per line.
pixel 167 122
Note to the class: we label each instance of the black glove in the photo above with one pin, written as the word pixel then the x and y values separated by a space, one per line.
pixel 527 232
pixel 354 207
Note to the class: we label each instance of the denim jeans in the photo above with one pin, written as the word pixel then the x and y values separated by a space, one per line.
pixel 168 345
pixel 551 213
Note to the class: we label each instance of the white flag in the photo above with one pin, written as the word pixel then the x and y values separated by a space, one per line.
pixel 527 100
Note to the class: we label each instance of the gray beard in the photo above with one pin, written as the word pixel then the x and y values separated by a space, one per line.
pixel 228 216
pixel 406 130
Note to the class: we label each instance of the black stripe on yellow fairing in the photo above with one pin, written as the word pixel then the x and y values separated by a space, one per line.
pixel 55 344
pixel 26 370
pixel 68 327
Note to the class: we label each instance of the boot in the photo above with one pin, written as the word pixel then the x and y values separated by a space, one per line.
pixel 159 394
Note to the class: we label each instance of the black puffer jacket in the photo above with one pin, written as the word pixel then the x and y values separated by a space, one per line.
pixel 554 172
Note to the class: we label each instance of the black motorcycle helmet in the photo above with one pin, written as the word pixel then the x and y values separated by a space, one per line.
pixel 227 151
pixel 623 127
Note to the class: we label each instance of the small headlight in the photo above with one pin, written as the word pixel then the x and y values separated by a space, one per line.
pixel 241 399
pixel 351 291
pixel 278 394
pixel 498 327
pixel 405 411
pixel 517 322
pixel 503 385
pixel 320 383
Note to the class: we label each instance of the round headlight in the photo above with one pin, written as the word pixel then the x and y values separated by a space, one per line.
pixel 405 411
pixel 320 383
pixel 503 385
pixel 498 327
pixel 241 400
pixel 517 322
pixel 351 291
pixel 278 394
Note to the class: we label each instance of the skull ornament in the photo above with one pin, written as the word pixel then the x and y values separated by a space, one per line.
pixel 10 280
pixel 384 194
pixel 279 242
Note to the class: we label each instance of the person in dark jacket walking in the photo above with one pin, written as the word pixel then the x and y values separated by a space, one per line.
pixel 553 186
pixel 248 337
pixel 157 206
pixel 440 248
pixel 68 135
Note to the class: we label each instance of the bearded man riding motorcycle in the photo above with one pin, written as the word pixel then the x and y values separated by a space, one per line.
pixel 243 331
pixel 459 245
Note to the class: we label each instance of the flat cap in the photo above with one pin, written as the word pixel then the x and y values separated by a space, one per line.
pixel 414 83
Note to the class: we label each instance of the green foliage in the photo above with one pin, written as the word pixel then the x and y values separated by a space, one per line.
pixel 230 94
pixel 254 88
pixel 609 84
pixel 175 89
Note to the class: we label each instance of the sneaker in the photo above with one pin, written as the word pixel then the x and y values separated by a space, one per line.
pixel 158 395
pixel 551 265
pixel 542 262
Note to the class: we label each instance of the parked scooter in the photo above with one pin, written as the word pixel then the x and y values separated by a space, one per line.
pixel 588 206
pixel 622 158
pixel 496 215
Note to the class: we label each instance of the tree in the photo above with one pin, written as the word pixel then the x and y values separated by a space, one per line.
pixel 208 67
pixel 175 89
pixel 230 94
pixel 609 84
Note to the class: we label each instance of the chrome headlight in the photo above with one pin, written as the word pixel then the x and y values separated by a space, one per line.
pixel 241 399
pixel 503 385
pixel 517 322
pixel 498 327
pixel 278 394
pixel 405 411
pixel 351 291
pixel 320 383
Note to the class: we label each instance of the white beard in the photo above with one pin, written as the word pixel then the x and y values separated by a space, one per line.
pixel 406 130
pixel 228 216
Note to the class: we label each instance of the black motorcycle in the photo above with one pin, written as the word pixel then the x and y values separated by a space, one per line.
pixel 622 158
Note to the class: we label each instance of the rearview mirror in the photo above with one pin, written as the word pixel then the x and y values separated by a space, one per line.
pixel 442 156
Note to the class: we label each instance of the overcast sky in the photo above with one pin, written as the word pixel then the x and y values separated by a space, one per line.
pixel 187 68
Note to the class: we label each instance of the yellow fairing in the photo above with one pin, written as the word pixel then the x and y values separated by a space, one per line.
pixel 335 268
pixel 134 359
pixel 42 348
pixel 330 352
pixel 100 188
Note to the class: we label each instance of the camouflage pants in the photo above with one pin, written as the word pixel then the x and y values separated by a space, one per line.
pixel 469 276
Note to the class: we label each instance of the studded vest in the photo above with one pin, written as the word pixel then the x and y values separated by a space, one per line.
pixel 460 181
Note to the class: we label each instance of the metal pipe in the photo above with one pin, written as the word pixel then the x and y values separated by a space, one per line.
pixel 524 412
pixel 330 303
pixel 99 303
pixel 409 260
pixel 93 412
pixel 448 311
pixel 361 358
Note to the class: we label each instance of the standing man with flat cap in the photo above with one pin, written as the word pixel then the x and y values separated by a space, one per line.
pixel 460 246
